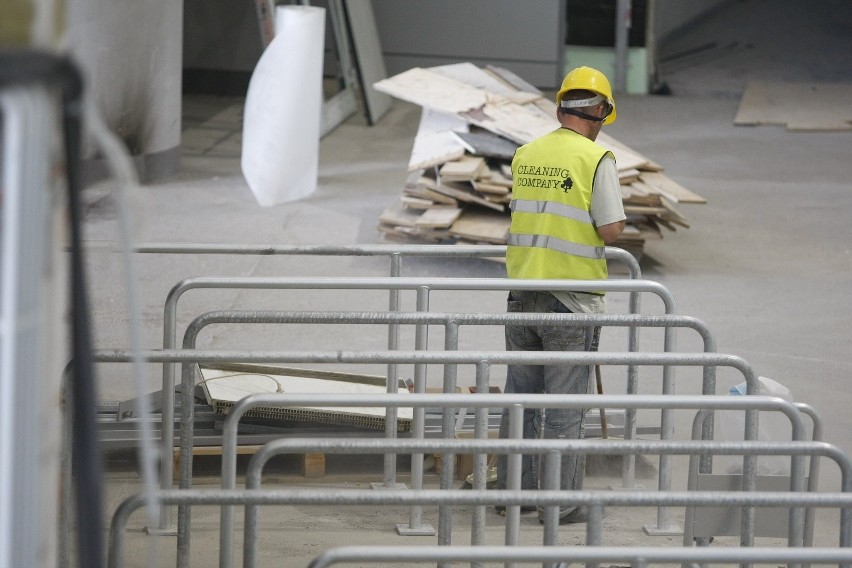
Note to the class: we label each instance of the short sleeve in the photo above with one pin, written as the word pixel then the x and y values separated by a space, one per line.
pixel 607 205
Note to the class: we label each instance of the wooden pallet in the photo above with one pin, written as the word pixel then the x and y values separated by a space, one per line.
pixel 313 465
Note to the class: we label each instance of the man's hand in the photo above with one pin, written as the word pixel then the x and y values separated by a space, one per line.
pixel 609 233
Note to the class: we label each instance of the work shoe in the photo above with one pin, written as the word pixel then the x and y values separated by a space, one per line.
pixel 501 510
pixel 567 516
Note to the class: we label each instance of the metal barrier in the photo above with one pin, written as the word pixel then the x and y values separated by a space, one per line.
pixel 395 253
pixel 552 448
pixel 595 500
pixel 423 287
pixel 636 557
pixel 479 553
pixel 516 403
pixel 451 323
pixel 482 360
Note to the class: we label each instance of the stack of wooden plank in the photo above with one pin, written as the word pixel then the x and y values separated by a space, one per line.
pixel 459 183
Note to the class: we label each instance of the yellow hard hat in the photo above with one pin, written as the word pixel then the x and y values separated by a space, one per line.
pixel 588 79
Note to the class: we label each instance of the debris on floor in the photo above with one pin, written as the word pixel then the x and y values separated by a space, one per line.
pixel 791 105
pixel 459 181
pixel 226 384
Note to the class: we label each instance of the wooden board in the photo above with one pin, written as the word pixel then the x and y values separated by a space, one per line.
pixel 433 91
pixel 410 202
pixel 429 89
pixel 463 192
pixel 625 158
pixel 798 106
pixel 435 142
pixel 628 176
pixel 439 217
pixel 466 168
pixel 482 226
pixel 433 196
pixel 489 188
pixel 405 234
pixel 474 76
pixel 669 187
pixel 396 214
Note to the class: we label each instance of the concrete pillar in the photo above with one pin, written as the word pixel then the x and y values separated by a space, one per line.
pixel 130 53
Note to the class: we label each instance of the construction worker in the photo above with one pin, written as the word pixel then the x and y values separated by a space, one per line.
pixel 566 205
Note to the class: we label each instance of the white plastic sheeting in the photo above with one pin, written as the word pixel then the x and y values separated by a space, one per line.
pixel 283 109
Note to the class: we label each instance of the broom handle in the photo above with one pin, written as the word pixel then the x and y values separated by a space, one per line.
pixel 604 433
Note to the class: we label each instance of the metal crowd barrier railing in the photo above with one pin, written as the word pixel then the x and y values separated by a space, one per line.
pixel 517 403
pixel 452 323
pixel 551 449
pixel 563 556
pixel 482 360
pixel 396 254
pixel 480 498
pixel 800 503
pixel 514 497
pixel 422 287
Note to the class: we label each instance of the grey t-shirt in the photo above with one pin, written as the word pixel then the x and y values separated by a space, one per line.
pixel 607 207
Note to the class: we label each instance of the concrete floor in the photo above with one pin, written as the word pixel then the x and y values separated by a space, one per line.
pixel 766 263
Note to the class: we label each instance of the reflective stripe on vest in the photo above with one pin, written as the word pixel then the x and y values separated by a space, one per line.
pixel 559 245
pixel 560 209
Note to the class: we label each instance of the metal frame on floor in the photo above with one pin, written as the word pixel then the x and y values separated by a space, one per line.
pixel 512 498
pixel 799 501
pixel 516 404
pixel 482 360
pixel 481 498
pixel 452 323
pixel 396 254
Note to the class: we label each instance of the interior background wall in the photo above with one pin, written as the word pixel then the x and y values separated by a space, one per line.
pixel 671 16
pixel 524 37
pixel 221 38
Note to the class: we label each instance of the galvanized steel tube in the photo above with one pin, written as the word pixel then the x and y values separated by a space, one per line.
pixel 635 556
pixel 394 252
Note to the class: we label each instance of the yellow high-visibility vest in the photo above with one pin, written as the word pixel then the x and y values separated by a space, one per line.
pixel 551 234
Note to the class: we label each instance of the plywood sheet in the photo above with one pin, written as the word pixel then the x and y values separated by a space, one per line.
pixel 798 106
pixel 396 214
pixel 433 91
pixel 470 74
pixel 467 168
pixel 670 188
pixel 625 158
pixel 439 217
pixel 435 142
pixel 492 112
pixel 227 384
pixel 482 226
pixel 462 191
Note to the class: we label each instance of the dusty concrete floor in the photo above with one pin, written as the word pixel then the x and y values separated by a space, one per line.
pixel 766 263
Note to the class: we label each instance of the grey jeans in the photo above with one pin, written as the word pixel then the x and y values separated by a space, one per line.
pixel 553 423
